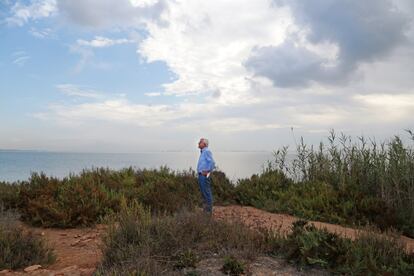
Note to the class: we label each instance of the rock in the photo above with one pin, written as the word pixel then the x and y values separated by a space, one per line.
pixel 69 271
pixel 87 271
pixel 86 241
pixel 32 268
pixel 76 242
pixel 4 271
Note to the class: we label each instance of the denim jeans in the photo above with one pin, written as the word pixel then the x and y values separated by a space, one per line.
pixel 204 183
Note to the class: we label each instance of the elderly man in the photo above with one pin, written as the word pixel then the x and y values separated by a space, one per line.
pixel 204 167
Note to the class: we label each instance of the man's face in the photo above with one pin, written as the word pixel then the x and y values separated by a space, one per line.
pixel 201 144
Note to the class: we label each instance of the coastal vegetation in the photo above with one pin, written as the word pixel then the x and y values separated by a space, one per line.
pixel 139 242
pixel 154 214
pixel 19 248
pixel 346 182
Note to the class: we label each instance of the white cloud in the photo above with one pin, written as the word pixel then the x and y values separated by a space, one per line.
pixel 41 33
pixel 153 94
pixel 387 107
pixel 76 91
pixel 36 9
pixel 117 110
pixel 100 42
pixel 210 46
pixel 20 58
pixel 86 55
pixel 110 13
pixel 206 43
pixel 142 3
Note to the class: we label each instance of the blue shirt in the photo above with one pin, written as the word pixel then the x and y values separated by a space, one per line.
pixel 206 161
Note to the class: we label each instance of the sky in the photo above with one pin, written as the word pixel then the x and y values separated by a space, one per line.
pixel 155 75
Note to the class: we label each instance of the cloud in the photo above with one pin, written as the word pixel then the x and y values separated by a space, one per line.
pixel 41 33
pixel 243 67
pixel 397 107
pixel 86 55
pixel 153 94
pixel 362 31
pixel 36 9
pixel 20 58
pixel 110 13
pixel 205 47
pixel 76 91
pixel 100 42
pixel 116 111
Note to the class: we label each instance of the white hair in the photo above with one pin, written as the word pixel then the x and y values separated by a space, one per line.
pixel 205 140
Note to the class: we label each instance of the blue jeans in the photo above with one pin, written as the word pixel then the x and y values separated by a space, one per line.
pixel 204 183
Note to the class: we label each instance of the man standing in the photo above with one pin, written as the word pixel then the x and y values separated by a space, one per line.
pixel 204 167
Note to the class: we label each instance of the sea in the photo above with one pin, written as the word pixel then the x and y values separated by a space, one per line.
pixel 18 165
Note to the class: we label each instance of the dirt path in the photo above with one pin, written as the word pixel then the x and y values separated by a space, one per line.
pixel 78 250
pixel 258 218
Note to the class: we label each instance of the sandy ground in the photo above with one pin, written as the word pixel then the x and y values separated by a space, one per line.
pixel 79 250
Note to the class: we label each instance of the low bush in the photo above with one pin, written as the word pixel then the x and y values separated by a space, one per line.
pixel 143 243
pixel 370 253
pixel 9 195
pixel 232 266
pixel 86 198
pixel 261 190
pixel 18 248
pixel 73 201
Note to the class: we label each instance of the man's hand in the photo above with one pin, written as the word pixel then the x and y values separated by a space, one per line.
pixel 205 173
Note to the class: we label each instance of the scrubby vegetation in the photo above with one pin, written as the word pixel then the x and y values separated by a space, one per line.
pixel 369 254
pixel 86 198
pixel 19 249
pixel 9 195
pixel 140 243
pixel 148 245
pixel 353 183
pixel 346 182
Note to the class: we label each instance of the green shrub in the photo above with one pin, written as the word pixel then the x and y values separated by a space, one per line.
pixel 9 195
pixel 374 180
pixel 223 190
pixel 172 242
pixel 86 198
pixel 261 190
pixel 232 266
pixel 19 248
pixel 187 258
pixel 70 202
pixel 374 254
pixel 307 245
pixel 370 253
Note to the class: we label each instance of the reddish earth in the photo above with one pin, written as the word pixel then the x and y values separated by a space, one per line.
pixel 78 250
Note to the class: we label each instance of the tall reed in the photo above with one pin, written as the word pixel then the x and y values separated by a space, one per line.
pixel 363 168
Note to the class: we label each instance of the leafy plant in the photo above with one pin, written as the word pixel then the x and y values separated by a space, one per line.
pixel 232 266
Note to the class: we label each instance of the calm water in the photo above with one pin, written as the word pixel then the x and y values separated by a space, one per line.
pixel 17 165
